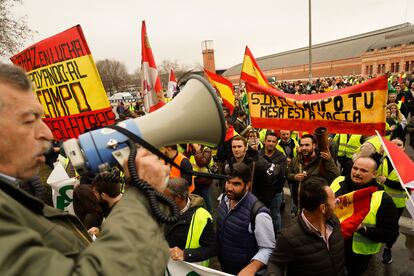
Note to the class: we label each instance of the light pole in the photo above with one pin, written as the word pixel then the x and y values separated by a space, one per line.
pixel 310 40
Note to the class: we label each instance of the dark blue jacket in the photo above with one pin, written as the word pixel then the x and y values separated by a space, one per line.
pixel 237 246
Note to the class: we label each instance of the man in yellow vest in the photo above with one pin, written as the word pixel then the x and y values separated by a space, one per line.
pixel 192 238
pixel 348 144
pixel 380 224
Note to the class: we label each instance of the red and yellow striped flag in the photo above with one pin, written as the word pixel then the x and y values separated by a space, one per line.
pixel 352 208
pixel 250 70
pixel 224 87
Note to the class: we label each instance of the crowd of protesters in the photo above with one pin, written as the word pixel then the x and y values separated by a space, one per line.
pixel 247 235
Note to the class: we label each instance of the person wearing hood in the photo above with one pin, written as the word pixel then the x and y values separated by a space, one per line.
pixel 192 238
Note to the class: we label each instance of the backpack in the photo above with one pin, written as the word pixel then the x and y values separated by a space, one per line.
pixel 256 209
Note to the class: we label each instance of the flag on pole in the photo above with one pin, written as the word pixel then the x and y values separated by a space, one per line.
pixel 352 208
pixel 172 84
pixel 250 70
pixel 151 84
pixel 224 87
pixel 404 166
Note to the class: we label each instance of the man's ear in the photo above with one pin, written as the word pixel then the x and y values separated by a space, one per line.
pixel 322 208
pixel 249 186
pixel 104 196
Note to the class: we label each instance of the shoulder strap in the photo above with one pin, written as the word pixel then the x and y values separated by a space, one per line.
pixel 253 213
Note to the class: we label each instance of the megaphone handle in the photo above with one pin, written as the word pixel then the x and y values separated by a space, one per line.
pixel 154 197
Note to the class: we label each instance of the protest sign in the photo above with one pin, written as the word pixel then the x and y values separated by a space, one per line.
pixel 358 109
pixel 66 83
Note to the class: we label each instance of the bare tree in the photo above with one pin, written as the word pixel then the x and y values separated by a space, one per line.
pixel 113 74
pixel 165 67
pixel 13 31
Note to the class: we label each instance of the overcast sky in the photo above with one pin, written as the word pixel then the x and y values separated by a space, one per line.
pixel 177 28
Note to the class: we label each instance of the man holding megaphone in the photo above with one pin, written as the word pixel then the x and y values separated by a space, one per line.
pixel 39 240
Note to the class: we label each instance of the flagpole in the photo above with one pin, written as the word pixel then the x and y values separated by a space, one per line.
pixel 396 171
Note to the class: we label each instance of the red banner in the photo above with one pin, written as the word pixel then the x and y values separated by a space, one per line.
pixel 358 109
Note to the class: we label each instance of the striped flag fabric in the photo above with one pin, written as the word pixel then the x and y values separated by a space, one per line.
pixel 250 70
pixel 151 84
pixel 352 208
pixel 224 87
pixel 172 84
pixel 401 162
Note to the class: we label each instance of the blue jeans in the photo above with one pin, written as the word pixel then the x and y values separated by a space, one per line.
pixel 275 212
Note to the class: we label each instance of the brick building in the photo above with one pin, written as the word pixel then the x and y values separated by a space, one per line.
pixel 390 49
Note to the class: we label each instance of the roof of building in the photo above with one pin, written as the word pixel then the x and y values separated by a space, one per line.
pixel 344 48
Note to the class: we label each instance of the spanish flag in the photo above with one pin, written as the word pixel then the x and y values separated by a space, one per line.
pixel 352 208
pixel 401 162
pixel 224 88
pixel 251 72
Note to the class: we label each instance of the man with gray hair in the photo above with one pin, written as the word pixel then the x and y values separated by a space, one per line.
pixel 39 240
pixel 192 238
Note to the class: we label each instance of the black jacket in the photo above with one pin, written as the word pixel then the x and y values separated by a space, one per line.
pixel 302 252
pixel 278 180
pixel 263 175
pixel 176 235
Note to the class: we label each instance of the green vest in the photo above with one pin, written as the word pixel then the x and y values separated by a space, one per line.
pixel 280 148
pixel 375 141
pixel 197 168
pixel 353 144
pixel 387 128
pixel 335 186
pixel 198 222
pixel 341 141
pixel 399 197
pixel 262 135
pixel 361 244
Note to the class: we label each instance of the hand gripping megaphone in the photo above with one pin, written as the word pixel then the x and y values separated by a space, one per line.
pixel 194 116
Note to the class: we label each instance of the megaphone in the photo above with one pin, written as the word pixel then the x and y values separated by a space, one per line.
pixel 193 116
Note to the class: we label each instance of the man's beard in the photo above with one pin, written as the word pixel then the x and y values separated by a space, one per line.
pixel 236 196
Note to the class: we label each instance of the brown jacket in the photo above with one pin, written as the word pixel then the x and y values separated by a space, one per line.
pixel 313 168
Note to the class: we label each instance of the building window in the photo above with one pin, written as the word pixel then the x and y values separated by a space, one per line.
pixel 397 67
pixel 371 70
pixel 407 66
pixel 392 68
pixel 366 70
pixel 412 65
pixel 383 69
pixel 379 69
